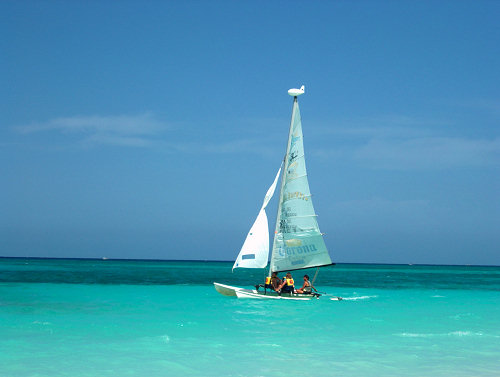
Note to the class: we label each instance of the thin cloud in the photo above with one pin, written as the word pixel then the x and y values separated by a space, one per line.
pixel 490 106
pixel 125 130
pixel 429 153
pixel 383 214
pixel 374 207
pixel 405 143
pixel 248 146
pixel 144 130
pixel 125 141
pixel 389 126
pixel 377 204
pixel 418 153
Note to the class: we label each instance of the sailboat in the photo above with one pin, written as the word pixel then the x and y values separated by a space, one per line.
pixel 298 243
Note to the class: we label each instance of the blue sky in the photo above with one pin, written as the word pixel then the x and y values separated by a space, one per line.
pixel 153 129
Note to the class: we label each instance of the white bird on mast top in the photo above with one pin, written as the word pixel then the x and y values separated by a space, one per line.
pixel 297 92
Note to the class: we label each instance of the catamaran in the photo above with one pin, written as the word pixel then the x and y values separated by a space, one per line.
pixel 298 243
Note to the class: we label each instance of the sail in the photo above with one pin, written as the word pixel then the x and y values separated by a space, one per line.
pixel 255 250
pixel 298 242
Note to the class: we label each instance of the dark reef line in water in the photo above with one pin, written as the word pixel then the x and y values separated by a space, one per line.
pixel 153 272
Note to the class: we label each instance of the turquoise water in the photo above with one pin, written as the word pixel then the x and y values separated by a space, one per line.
pixel 137 318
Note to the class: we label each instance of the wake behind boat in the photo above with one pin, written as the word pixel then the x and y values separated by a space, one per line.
pixel 298 243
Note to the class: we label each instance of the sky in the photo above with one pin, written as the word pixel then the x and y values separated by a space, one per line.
pixel 153 129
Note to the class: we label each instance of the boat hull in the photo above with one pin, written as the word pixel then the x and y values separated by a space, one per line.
pixel 228 290
pixel 263 296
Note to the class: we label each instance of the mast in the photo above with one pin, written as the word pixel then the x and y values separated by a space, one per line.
pixel 285 167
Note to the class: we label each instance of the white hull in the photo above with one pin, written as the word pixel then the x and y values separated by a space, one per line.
pixel 227 290
pixel 262 296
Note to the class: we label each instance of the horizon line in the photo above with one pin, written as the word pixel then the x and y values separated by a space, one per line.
pixel 230 261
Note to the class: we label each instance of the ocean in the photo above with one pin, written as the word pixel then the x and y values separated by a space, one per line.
pixel 164 318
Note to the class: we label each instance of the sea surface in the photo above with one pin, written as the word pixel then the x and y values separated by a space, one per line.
pixel 161 318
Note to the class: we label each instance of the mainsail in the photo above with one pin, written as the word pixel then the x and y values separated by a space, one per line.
pixel 298 242
pixel 255 250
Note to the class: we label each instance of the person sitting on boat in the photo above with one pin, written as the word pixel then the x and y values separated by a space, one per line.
pixel 307 287
pixel 267 284
pixel 273 282
pixel 287 284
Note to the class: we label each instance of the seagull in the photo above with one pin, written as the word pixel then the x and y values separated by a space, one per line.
pixel 296 92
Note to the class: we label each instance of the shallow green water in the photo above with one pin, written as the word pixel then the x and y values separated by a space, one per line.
pixel 138 318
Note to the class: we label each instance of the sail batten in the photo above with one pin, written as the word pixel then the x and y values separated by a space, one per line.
pixel 296 217
pixel 298 242
pixel 294 178
pixel 302 268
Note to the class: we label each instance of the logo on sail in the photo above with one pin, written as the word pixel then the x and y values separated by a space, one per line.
pixel 292 170
pixel 296 250
pixel 295 137
pixel 296 194
pixel 293 242
pixel 286 226
pixel 293 156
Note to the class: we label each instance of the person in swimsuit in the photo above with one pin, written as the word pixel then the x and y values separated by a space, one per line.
pixel 307 287
pixel 275 281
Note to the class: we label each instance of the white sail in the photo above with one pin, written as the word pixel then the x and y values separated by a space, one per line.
pixel 298 242
pixel 255 250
